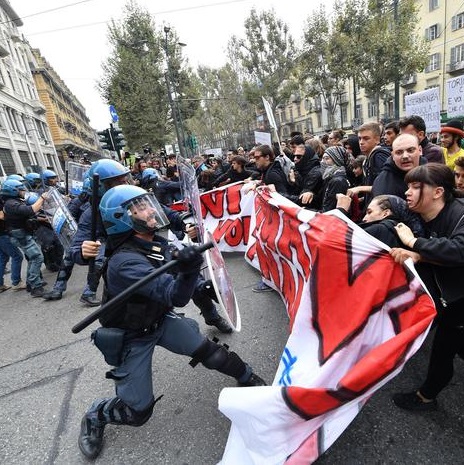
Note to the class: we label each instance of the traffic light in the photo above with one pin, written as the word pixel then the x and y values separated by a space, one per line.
pixel 118 139
pixel 105 139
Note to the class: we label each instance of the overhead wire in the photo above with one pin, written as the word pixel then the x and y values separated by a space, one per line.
pixel 189 8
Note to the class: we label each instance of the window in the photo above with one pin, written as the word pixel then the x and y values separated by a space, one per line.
pixel 457 22
pixel 7 161
pixel 433 5
pixel 409 92
pixel 432 33
pixel 457 54
pixel 358 111
pixel 372 109
pixel 434 63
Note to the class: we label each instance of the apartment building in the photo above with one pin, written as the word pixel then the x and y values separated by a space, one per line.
pixel 66 117
pixel 25 140
pixel 442 24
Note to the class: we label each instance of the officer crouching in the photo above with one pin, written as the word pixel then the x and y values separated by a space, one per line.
pixel 130 332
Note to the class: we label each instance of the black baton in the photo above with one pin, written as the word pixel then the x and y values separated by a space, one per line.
pixel 124 295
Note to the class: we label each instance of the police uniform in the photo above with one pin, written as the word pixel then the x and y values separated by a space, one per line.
pixel 130 331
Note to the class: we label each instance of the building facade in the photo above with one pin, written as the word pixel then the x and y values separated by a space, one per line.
pixel 25 140
pixel 442 24
pixel 66 117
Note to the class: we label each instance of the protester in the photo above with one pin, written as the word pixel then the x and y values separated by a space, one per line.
pixel 459 173
pixel 452 134
pixel 440 256
pixel 129 336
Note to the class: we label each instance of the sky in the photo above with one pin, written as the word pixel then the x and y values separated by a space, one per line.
pixel 72 34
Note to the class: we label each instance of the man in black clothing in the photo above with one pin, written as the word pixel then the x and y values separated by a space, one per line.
pixel 406 155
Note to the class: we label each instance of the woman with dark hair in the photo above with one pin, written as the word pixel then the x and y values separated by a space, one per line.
pixel 440 256
pixel 383 213
pixel 351 144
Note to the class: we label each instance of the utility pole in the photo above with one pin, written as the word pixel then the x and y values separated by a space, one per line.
pixel 174 108
pixel 397 82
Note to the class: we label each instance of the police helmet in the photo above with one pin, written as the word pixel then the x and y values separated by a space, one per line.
pixel 16 177
pixel 47 175
pixel 106 169
pixel 124 208
pixel 32 179
pixel 86 188
pixel 149 174
pixel 12 188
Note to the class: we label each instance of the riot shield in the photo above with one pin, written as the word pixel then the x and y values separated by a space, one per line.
pixel 228 307
pixel 76 175
pixel 191 194
pixel 59 217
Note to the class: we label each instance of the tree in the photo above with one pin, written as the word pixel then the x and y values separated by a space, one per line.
pixel 265 57
pixel 134 78
pixel 317 73
pixel 376 42
pixel 224 115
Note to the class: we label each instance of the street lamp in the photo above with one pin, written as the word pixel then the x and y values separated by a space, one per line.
pixel 175 111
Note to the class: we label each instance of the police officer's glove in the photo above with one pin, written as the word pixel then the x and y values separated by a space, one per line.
pixel 189 260
pixel 208 289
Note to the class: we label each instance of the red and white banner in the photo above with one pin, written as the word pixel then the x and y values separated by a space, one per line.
pixel 356 317
pixel 227 213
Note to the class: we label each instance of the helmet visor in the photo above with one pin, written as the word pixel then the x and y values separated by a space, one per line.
pixel 145 214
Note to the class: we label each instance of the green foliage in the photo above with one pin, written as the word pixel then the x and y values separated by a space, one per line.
pixel 223 111
pixel 376 44
pixel 265 57
pixel 134 78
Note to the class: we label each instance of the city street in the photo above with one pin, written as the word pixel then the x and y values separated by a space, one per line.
pixel 49 376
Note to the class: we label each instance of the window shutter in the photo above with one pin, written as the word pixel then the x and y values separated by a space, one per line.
pixel 454 23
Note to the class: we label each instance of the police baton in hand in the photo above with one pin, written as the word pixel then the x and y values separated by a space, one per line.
pixel 123 296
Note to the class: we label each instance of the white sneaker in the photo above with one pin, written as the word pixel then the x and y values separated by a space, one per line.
pixel 19 287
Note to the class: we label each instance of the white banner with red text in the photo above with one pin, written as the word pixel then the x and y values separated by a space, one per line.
pixel 355 316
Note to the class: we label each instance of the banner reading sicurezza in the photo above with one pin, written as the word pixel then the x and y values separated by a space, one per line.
pixel 427 105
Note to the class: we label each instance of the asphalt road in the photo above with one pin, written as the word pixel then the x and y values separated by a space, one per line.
pixel 49 376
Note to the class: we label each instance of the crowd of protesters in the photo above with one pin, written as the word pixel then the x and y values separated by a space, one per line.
pixel 397 182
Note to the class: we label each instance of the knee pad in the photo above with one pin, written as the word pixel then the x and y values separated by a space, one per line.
pixel 216 356
pixel 117 412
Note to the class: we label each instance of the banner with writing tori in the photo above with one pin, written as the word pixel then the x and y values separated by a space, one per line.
pixel 355 316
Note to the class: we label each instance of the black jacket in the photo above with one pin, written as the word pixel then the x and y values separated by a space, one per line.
pixel 391 180
pixel 17 213
pixel 274 174
pixel 442 252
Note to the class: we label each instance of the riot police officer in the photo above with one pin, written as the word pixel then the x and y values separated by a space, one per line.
pixel 131 330
pixel 111 173
pixel 17 216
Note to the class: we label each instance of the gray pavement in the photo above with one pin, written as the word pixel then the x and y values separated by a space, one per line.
pixel 49 376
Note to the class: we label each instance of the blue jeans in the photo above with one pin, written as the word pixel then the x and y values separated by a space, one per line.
pixel 7 249
pixel 23 240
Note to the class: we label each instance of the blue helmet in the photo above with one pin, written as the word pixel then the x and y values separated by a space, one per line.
pixel 33 179
pixel 47 175
pixel 12 188
pixel 106 169
pixel 16 177
pixel 149 174
pixel 32 198
pixel 124 208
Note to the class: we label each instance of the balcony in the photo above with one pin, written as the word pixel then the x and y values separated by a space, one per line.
pixel 410 80
pixel 455 68
pixel 3 51
pixel 38 107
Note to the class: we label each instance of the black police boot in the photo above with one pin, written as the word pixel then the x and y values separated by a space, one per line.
pixel 253 380
pixel 91 436
pixel 53 295
pixel 89 300
pixel 220 324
